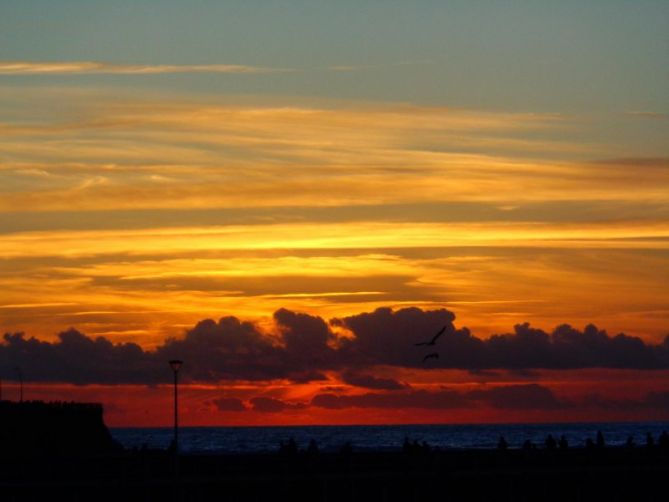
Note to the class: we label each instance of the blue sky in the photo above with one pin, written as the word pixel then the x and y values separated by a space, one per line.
pixel 539 55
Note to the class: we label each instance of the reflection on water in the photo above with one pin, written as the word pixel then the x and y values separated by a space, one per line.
pixel 379 437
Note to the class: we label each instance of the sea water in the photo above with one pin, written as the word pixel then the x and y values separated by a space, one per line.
pixel 381 437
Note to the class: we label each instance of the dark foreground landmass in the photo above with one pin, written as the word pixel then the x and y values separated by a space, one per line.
pixel 614 474
pixel 37 428
pixel 63 451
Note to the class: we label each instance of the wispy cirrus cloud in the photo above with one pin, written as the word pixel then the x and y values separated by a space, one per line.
pixel 357 67
pixel 106 67
pixel 101 67
pixel 647 114
pixel 385 153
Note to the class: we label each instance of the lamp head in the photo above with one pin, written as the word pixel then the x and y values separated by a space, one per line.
pixel 176 364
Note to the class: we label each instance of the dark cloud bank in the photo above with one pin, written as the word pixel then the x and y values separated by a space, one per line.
pixel 518 397
pixel 306 346
pixel 525 398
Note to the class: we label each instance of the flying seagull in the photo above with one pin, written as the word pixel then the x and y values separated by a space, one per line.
pixel 433 355
pixel 434 338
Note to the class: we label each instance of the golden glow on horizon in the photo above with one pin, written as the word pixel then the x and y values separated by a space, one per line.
pixel 333 236
pixel 340 207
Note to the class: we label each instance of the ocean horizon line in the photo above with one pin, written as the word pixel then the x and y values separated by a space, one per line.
pixel 414 424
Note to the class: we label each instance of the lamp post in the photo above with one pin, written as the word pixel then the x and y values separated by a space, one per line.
pixel 176 364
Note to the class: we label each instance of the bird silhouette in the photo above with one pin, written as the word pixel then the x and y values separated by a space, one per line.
pixel 434 338
pixel 433 355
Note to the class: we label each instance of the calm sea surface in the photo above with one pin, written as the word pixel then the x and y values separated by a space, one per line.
pixel 380 437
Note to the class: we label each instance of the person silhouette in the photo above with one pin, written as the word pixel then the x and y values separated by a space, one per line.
pixel 312 449
pixel 600 440
pixel 650 442
pixel 564 444
pixel 630 442
pixel 346 449
pixel 291 447
pixel 550 442
pixel 663 441
pixel 406 447
pixel 502 445
pixel 528 445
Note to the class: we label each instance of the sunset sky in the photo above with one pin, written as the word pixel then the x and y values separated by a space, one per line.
pixel 290 194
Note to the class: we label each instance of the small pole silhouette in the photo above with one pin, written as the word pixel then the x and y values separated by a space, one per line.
pixel 176 364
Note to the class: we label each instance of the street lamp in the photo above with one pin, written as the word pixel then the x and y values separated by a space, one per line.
pixel 176 364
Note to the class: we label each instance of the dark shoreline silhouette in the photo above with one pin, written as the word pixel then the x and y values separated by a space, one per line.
pixel 510 475
pixel 72 456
